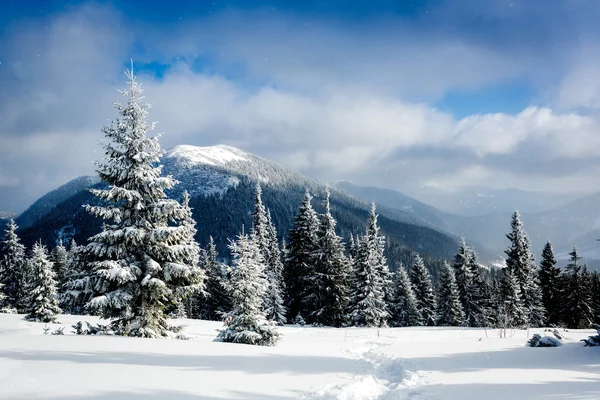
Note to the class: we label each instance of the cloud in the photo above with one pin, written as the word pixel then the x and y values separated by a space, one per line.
pixel 319 98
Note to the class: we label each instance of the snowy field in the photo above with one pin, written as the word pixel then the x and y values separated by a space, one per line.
pixel 309 363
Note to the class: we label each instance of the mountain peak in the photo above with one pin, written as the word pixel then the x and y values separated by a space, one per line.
pixel 207 155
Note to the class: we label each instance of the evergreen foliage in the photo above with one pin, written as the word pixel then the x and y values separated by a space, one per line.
pixel 274 297
pixel 299 264
pixel 43 303
pixel 521 264
pixel 215 303
pixel 404 311
pixel 331 274
pixel 423 288
pixel 13 269
pixel 60 259
pixel 145 259
pixel 510 307
pixel 450 311
pixel 577 312
pixel 247 322
pixel 550 283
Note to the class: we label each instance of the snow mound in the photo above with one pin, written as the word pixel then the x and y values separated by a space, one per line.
pixel 383 377
pixel 209 155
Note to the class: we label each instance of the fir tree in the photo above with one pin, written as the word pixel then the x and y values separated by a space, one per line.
pixel 577 312
pixel 421 281
pixel 404 311
pixel 144 259
pixel 299 264
pixel 77 289
pixel 372 280
pixel 60 259
pixel 216 303
pixel 43 299
pixel 510 312
pixel 450 311
pixel 247 322
pixel 550 284
pixel 331 274
pixel 13 269
pixel 596 297
pixel 273 302
pixel 521 264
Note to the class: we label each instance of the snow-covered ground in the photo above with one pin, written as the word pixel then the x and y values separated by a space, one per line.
pixel 309 363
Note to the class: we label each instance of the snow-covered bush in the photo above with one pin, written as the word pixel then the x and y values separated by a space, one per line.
pixel 85 328
pixel 59 332
pixel 299 320
pixel 544 341
pixel 593 340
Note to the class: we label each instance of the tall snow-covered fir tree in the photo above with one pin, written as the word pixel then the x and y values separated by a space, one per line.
pixel 247 322
pixel 403 310
pixel 577 311
pixel 60 259
pixel 145 258
pixel 215 302
pixel 299 264
pixel 331 275
pixel 424 294
pixel 13 269
pixel 520 262
pixel 273 301
pixel 550 283
pixel 469 284
pixel 450 311
pixel 371 286
pixel 43 302
pixel 479 296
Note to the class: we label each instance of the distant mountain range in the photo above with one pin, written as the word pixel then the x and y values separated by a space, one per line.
pixel 221 181
pixel 6 215
pixel 574 223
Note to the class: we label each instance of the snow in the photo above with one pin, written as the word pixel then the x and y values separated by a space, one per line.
pixel 211 155
pixel 308 363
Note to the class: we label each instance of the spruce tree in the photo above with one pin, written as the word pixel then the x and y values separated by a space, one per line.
pixel 247 322
pixel 331 274
pixel 596 297
pixel 60 259
pixel 372 290
pixel 510 312
pixel 274 297
pixel 299 264
pixel 216 303
pixel 577 311
pixel 144 259
pixel 450 311
pixel 13 269
pixel 43 303
pixel 521 264
pixel 404 311
pixel 550 284
pixel 421 281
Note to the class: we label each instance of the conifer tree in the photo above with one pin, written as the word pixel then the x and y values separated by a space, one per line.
pixel 510 313
pixel 469 284
pixel 550 282
pixel 144 259
pixel 421 281
pixel 331 274
pixel 216 303
pixel 371 292
pixel 520 262
pixel 247 322
pixel 596 297
pixel 43 303
pixel 577 312
pixel 404 311
pixel 274 297
pixel 60 259
pixel 450 311
pixel 299 264
pixel 13 269
pixel 77 289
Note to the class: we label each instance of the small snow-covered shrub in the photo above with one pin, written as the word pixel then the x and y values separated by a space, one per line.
pixel 299 320
pixel 59 331
pixel 85 328
pixel 593 340
pixel 543 341
pixel 8 310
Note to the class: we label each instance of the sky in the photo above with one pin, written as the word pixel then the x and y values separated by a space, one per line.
pixel 398 94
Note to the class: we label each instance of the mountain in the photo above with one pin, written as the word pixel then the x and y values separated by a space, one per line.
pixel 577 222
pixel 221 181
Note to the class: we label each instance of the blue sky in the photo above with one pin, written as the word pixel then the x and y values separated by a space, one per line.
pixel 498 90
